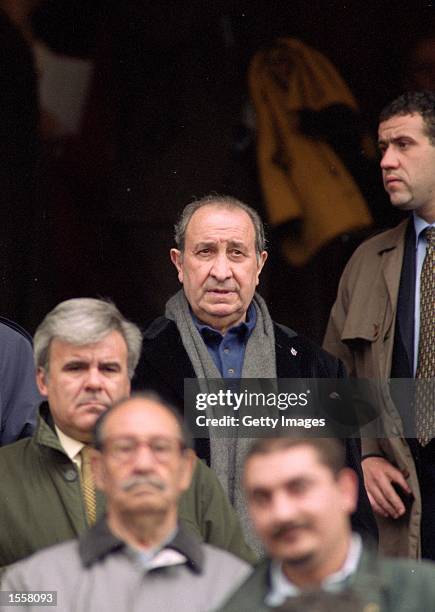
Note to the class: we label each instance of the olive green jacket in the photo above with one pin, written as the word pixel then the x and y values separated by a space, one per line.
pixel 381 585
pixel 41 501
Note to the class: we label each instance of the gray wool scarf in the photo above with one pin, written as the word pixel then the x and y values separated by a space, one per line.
pixel 227 454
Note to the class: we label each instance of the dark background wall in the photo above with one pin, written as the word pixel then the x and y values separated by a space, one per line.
pixel 162 125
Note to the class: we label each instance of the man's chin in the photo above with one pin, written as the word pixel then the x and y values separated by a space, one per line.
pixel 92 408
pixel 401 203
pixel 222 310
pixel 298 559
pixel 296 554
pixel 145 505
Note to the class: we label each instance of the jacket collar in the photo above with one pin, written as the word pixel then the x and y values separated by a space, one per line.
pixel 377 316
pixel 99 542
pixel 45 434
pixel 393 238
pixel 163 352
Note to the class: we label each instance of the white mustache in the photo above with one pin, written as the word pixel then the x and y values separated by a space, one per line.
pixel 135 481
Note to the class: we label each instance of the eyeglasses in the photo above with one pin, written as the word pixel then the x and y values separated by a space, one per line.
pixel 126 449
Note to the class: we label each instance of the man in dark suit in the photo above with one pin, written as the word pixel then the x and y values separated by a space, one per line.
pixel 217 326
pixel 382 326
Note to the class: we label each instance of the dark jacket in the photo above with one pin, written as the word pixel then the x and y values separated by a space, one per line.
pixel 381 584
pixel 164 364
pixel 41 501
pixel 19 397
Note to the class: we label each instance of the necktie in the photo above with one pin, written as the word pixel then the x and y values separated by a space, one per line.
pixel 425 391
pixel 88 485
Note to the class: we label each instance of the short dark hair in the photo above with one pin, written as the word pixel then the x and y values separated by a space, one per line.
pixel 331 451
pixel 223 201
pixel 410 103
pixel 151 396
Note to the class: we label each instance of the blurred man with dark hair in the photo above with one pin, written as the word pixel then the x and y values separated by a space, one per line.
pixel 300 497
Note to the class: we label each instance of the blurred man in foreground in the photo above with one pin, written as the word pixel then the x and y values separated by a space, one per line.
pixel 138 557
pixel 300 497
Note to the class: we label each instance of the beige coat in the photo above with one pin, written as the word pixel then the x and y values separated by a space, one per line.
pixel 361 333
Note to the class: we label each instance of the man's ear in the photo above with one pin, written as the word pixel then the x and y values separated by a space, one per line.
pixel 261 262
pixel 187 467
pixel 177 260
pixel 41 381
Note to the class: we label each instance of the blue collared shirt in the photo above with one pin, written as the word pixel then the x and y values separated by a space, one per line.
pixel 420 253
pixel 228 351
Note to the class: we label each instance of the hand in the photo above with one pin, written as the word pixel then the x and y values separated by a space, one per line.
pixel 379 476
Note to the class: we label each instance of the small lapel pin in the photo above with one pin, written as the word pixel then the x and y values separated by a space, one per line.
pixel 293 351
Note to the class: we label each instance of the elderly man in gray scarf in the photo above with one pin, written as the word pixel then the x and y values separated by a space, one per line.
pixel 219 327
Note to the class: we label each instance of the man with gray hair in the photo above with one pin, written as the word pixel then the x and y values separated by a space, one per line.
pixel 218 326
pixel 85 353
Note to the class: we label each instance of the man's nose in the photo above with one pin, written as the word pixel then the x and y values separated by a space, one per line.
pixel 143 457
pixel 94 379
pixel 283 507
pixel 221 268
pixel 389 159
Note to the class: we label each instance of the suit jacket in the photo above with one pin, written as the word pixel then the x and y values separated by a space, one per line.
pixel 381 584
pixel 164 365
pixel 361 332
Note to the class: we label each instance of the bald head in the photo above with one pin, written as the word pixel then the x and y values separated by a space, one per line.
pixel 143 465
pixel 151 407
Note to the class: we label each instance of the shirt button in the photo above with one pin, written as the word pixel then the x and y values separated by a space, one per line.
pixel 231 371
pixel 226 350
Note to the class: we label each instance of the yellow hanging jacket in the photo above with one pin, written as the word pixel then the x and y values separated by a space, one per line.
pixel 302 178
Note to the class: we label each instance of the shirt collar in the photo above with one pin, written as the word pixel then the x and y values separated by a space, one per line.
pixel 281 587
pixel 145 557
pixel 71 447
pixel 419 225
pixel 243 328
pixel 99 542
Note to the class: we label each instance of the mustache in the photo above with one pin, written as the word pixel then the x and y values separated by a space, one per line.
pixel 136 481
pixel 283 529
